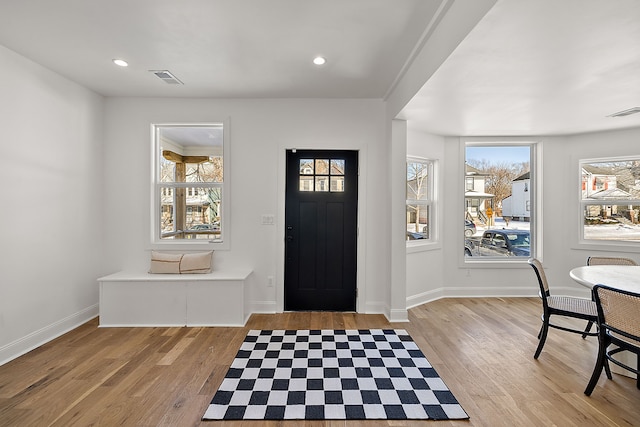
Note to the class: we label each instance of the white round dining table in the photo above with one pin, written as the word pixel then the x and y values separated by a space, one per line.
pixel 625 277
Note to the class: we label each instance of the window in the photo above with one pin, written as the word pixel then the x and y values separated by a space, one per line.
pixel 189 184
pixel 610 200
pixel 500 203
pixel 420 199
pixel 469 183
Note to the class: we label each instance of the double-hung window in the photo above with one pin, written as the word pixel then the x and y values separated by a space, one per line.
pixel 189 195
pixel 610 201
pixel 420 200
pixel 499 201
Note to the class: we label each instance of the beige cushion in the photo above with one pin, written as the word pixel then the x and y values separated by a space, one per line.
pixel 168 263
pixel 196 263
pixel 162 262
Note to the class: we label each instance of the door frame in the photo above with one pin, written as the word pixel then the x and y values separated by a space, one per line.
pixel 361 240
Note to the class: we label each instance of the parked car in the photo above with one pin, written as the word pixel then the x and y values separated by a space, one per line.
pixel 469 228
pixel 499 243
pixel 205 227
pixel 414 236
pixel 469 247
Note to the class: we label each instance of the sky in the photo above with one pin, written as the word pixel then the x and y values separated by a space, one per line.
pixel 499 154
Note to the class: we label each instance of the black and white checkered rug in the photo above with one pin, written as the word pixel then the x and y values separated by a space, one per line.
pixel 332 374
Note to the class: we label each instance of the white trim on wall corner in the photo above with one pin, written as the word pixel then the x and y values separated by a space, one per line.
pixel 398 315
pixel 42 336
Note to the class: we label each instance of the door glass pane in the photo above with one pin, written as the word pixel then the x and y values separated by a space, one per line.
pixel 337 184
pixel 337 167
pixel 306 183
pixel 306 166
pixel 322 167
pixel 322 183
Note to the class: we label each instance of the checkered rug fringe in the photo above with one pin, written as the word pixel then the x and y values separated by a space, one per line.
pixel 332 374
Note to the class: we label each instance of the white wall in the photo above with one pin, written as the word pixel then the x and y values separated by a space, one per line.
pixel 52 210
pixel 260 131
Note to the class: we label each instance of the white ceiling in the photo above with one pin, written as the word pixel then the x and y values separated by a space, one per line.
pixel 220 48
pixel 530 67
pixel 538 67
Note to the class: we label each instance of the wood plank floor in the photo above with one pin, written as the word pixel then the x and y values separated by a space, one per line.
pixel 481 347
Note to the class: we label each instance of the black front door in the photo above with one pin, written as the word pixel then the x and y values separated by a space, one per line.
pixel 321 227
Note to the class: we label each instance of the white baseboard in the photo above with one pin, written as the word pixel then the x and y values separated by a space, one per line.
pixel 398 315
pixel 263 307
pixel 37 338
pixel 489 292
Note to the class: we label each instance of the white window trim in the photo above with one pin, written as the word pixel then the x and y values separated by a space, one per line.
pixel 433 242
pixel 602 245
pixel 154 213
pixel 535 190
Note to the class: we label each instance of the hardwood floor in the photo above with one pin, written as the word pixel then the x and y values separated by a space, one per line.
pixel 481 347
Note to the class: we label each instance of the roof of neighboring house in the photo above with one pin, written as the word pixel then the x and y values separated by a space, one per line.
pixel 470 170
pixel 595 170
pixel 611 193
pixel 477 195
pixel 523 177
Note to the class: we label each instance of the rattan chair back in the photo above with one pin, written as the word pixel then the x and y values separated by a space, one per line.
pixel 619 325
pixel 605 260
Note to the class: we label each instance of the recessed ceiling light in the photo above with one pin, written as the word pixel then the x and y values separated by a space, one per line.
pixel 319 60
pixel 120 62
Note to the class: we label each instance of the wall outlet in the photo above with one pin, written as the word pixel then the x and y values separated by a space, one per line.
pixel 269 281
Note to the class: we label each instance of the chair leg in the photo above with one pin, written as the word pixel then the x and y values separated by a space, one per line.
pixel 597 370
pixel 542 336
pixel 607 370
pixel 541 328
pixel 588 329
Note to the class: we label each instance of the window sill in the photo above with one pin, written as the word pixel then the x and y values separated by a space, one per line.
pixel 608 245
pixel 414 247
pixel 189 246
pixel 495 262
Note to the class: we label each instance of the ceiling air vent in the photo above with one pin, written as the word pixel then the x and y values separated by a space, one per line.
pixel 166 76
pixel 626 112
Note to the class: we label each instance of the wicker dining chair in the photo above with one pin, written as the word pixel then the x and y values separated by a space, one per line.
pixel 605 260
pixel 579 308
pixel 619 325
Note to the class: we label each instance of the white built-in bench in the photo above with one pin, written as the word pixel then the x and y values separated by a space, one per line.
pixel 143 299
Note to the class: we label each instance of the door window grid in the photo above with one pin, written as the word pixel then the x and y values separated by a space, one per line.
pixel 322 175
